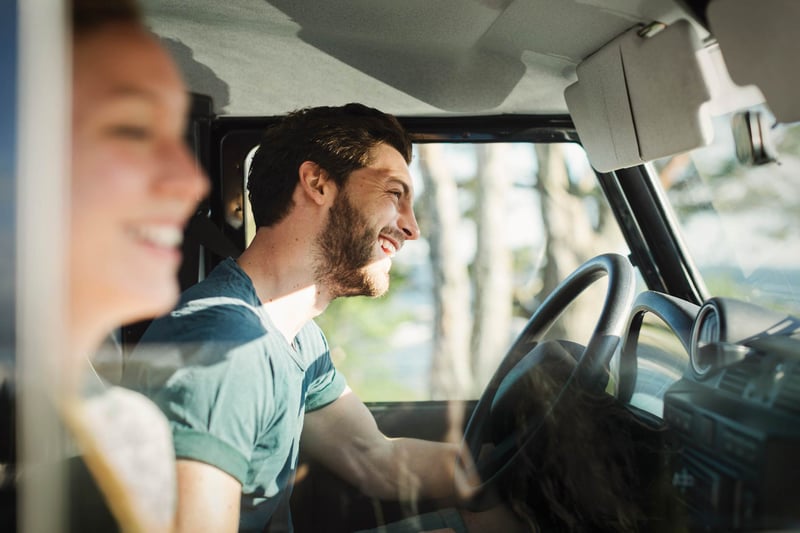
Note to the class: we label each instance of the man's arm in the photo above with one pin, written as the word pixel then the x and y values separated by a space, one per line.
pixel 208 498
pixel 344 437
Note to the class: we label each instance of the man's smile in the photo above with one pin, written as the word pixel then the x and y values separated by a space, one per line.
pixel 388 245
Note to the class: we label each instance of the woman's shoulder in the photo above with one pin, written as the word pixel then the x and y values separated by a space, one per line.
pixel 127 443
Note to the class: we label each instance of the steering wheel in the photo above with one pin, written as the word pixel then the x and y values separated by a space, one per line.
pixel 591 368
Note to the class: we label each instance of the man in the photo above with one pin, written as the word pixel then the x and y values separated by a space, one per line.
pixel 247 368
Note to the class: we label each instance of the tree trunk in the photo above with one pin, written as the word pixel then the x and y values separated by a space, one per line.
pixel 493 265
pixel 570 241
pixel 450 372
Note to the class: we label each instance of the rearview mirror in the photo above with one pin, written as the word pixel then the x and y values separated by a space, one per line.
pixel 752 137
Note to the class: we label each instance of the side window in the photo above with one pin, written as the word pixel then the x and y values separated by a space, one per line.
pixel 501 225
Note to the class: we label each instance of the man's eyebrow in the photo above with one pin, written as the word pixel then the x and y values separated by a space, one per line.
pixel 402 183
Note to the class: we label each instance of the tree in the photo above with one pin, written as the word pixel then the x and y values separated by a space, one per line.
pixel 570 240
pixel 450 370
pixel 492 267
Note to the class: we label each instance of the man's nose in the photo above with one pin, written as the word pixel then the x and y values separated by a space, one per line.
pixel 408 224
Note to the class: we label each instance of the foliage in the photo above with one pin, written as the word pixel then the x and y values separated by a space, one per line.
pixel 357 330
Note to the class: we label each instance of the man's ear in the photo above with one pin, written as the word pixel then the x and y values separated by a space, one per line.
pixel 315 182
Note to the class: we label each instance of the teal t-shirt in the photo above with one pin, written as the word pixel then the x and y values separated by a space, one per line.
pixel 234 390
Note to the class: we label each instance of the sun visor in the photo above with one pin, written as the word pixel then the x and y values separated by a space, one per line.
pixel 761 46
pixel 641 98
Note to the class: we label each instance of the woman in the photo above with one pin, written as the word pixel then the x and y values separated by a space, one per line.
pixel 133 186
pixel 590 464
pixel 587 464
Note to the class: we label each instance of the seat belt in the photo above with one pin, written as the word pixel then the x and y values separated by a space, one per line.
pixel 211 237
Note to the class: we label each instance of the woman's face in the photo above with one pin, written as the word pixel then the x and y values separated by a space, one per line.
pixel 134 183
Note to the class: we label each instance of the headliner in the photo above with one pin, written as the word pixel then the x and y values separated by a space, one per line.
pixel 409 57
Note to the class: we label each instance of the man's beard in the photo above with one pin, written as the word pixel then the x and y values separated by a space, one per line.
pixel 345 248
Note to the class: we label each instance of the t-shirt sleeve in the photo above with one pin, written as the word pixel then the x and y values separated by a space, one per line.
pixel 219 403
pixel 331 386
pixel 204 366
pixel 326 383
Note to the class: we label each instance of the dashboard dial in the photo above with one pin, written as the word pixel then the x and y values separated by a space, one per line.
pixel 705 336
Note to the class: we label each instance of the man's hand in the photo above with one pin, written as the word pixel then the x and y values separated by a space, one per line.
pixel 466 478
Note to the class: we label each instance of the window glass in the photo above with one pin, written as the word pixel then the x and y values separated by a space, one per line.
pixel 739 221
pixel 501 225
pixel 8 143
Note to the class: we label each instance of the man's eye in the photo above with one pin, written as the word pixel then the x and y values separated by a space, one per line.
pixel 137 133
pixel 398 194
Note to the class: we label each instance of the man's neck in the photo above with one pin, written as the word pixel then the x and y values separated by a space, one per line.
pixel 281 267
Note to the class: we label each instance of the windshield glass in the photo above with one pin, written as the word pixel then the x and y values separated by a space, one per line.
pixel 740 221
pixel 502 224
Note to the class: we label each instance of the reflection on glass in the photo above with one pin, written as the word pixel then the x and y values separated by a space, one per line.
pixel 740 222
pixel 564 432
pixel 661 361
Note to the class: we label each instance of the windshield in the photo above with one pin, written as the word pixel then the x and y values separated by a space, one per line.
pixel 740 222
pixel 502 224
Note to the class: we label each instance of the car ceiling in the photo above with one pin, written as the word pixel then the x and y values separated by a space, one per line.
pixel 410 57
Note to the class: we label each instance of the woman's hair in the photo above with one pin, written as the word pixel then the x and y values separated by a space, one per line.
pixel 590 465
pixel 90 15
pixel 339 139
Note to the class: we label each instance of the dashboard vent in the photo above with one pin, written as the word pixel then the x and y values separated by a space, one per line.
pixel 788 398
pixel 737 376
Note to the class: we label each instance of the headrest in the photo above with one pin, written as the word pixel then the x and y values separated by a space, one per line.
pixel 761 46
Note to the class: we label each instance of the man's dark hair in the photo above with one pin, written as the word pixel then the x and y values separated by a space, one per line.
pixel 90 15
pixel 338 139
pixel 591 465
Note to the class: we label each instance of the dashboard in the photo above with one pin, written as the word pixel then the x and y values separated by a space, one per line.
pixel 732 407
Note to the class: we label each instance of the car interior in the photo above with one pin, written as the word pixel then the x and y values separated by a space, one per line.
pixel 642 159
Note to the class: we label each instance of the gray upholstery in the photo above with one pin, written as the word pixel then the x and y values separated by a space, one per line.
pixel 761 46
pixel 630 107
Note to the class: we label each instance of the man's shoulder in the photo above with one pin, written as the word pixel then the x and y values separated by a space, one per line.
pixel 312 349
pixel 224 305
pixel 226 279
pixel 311 337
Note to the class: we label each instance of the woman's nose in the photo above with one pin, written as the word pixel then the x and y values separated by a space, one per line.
pixel 181 175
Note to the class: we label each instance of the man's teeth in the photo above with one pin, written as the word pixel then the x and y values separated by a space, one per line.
pixel 162 236
pixel 388 247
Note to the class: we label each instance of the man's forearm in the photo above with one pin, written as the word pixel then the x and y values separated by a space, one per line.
pixel 419 469
pixel 344 437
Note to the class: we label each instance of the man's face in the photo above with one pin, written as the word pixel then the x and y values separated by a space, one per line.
pixel 370 219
